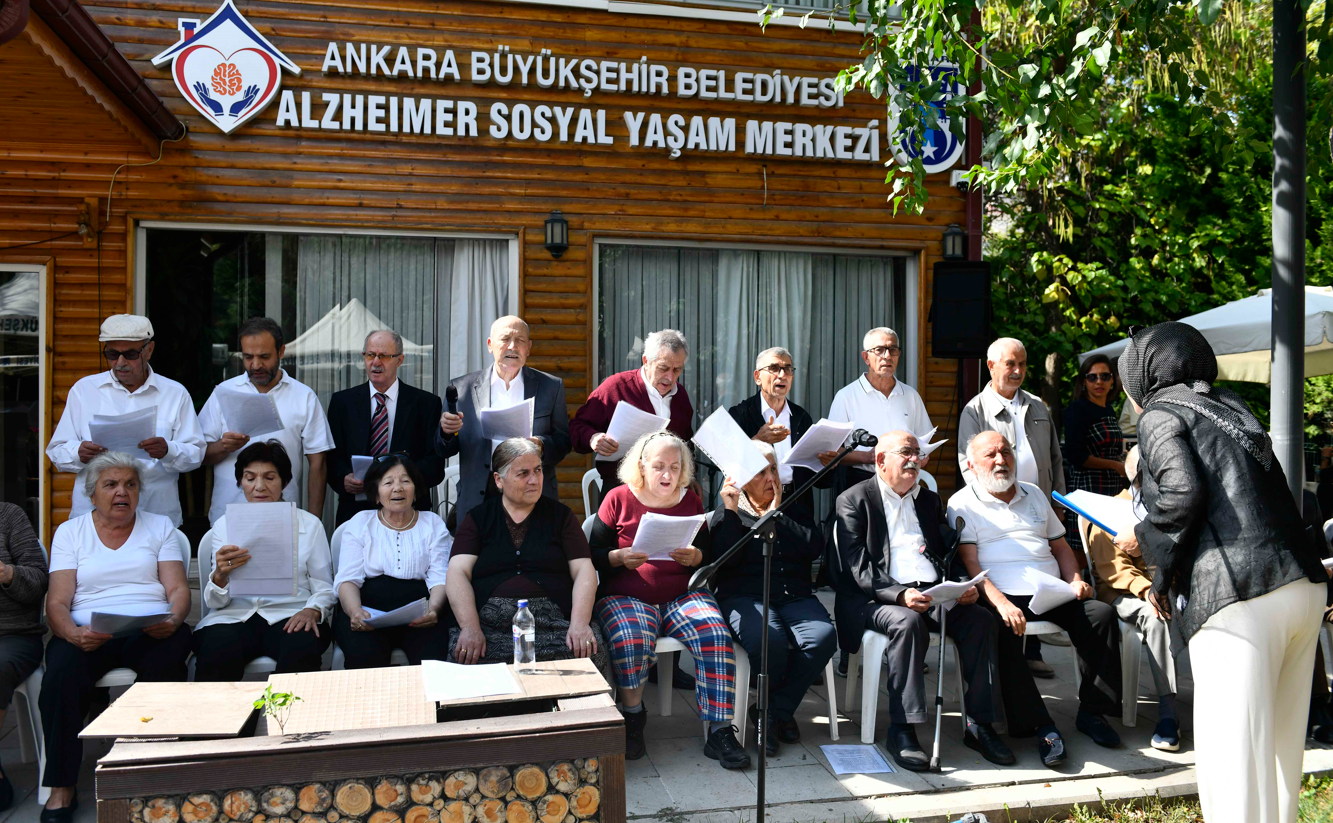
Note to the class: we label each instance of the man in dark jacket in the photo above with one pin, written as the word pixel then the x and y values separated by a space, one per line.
pixel 382 416
pixel 887 529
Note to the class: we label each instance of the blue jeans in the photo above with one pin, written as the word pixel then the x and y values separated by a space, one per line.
pixel 801 640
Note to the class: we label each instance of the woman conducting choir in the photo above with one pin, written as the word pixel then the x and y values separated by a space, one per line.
pixel 640 599
pixel 113 559
pixel 522 546
pixel 292 629
pixel 391 556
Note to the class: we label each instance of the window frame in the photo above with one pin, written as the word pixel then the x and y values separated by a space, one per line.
pixel 45 274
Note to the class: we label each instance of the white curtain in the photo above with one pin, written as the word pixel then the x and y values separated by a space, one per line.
pixel 479 294
pixel 762 301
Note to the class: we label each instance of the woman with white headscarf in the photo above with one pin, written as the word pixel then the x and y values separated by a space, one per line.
pixel 1240 577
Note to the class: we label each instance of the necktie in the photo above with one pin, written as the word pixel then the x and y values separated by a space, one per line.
pixel 379 427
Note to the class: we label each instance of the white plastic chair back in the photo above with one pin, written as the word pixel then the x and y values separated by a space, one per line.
pixel 587 526
pixel 205 569
pixel 335 546
pixel 929 479
pixel 590 477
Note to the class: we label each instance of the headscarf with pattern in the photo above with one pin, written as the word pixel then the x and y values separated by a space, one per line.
pixel 1172 363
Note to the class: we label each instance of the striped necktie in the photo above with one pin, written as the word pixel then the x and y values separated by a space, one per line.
pixel 379 427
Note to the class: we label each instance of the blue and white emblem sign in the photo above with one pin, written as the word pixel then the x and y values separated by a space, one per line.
pixel 939 149
pixel 225 68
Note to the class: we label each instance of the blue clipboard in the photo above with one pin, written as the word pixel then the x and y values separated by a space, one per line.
pixel 1064 501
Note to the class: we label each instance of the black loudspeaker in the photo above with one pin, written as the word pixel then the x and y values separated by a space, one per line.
pixel 960 309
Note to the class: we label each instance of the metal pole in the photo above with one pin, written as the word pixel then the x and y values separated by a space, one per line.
pixel 769 535
pixel 1287 390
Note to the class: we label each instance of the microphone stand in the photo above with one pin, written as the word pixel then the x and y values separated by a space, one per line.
pixel 766 529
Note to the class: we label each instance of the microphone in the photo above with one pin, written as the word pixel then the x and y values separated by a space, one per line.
pixel 861 437
pixel 451 397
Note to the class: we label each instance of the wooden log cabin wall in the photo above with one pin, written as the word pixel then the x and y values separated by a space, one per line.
pixel 68 134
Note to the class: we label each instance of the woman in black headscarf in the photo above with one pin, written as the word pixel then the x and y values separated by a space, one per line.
pixel 1235 569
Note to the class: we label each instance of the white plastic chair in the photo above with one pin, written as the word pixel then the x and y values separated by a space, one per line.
pixel 32 743
pixel 929 479
pixel 126 677
pixel 590 477
pixel 873 646
pixel 448 491
pixel 398 658
pixel 261 664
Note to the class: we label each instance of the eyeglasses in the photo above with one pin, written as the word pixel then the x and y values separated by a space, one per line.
pixel 1093 377
pixel 914 454
pixel 883 351
pixel 129 354
pixel 372 356
pixel 777 370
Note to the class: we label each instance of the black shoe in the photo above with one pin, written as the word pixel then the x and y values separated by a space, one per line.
pixel 61 815
pixel 1096 727
pixel 771 740
pixel 1323 734
pixel 1051 747
pixel 906 749
pixel 982 738
pixel 6 792
pixel 841 669
pixel 680 680
pixel 635 748
pixel 723 747
pixel 787 731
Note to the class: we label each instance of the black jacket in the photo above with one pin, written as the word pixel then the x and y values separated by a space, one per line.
pixel 859 559
pixel 796 547
pixel 1220 529
pixel 749 415
pixel 415 421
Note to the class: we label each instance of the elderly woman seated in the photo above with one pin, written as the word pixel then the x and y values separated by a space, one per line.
pixel 115 559
pixel 641 598
pixel 22 586
pixel 287 627
pixel 392 555
pixel 522 547
pixel 801 639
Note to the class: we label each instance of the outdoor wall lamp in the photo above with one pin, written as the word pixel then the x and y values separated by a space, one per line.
pixel 557 234
pixel 955 242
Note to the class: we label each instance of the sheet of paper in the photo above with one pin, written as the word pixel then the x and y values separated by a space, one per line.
pixel 1328 563
pixel 454 681
pixel 1112 514
pixel 1052 592
pixel 926 446
pixel 661 534
pixel 948 593
pixel 128 619
pixel 855 759
pixel 268 532
pixel 249 413
pixel 361 465
pixel 721 438
pixel 400 616
pixel 124 432
pixel 511 421
pixel 628 424
pixel 824 436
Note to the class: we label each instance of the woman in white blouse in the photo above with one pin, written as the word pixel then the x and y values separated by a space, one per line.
pixel 286 628
pixel 392 556
pixel 113 559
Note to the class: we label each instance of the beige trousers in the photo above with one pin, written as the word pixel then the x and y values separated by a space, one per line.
pixel 1251 664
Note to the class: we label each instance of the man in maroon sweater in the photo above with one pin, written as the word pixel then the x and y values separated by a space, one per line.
pixel 654 388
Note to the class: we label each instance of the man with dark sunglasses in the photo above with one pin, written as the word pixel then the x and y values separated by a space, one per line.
pixel 128 385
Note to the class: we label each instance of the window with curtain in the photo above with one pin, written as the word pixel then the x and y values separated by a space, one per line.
pixel 21 372
pixel 734 303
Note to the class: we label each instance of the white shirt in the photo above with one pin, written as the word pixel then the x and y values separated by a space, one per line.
pixel 104 577
pixel 305 431
pixel 502 397
pixel 661 403
pixel 1010 537
pixel 782 448
pixel 101 393
pixel 1026 460
pixel 864 405
pixel 390 405
pixel 370 549
pixel 314 580
pixel 907 545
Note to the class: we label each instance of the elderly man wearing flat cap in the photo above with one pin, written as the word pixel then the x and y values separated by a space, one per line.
pixel 130 385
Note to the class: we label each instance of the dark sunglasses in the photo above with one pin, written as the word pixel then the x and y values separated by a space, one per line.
pixel 1104 377
pixel 401 455
pixel 129 354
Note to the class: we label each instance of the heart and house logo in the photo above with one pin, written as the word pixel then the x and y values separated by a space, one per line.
pixel 225 68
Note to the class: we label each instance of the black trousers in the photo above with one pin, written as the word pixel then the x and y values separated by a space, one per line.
pixel 801 640
pixel 223 650
pixel 1092 629
pixel 67 689
pixel 20 655
pixel 374 649
pixel 971 627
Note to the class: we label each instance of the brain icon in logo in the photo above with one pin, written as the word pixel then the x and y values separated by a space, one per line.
pixel 226 79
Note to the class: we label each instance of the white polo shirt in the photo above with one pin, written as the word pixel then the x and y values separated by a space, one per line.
pixel 101 393
pixel 907 545
pixel 661 403
pixel 305 430
pixel 865 406
pixel 1010 537
pixel 783 447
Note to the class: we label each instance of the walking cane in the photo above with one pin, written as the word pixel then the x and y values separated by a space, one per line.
pixel 943 568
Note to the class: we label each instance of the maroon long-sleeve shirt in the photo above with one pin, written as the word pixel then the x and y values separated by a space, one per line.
pixel 594 416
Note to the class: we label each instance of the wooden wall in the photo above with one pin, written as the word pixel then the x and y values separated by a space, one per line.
pixel 265 175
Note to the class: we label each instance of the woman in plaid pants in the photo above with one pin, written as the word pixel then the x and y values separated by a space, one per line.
pixel 640 599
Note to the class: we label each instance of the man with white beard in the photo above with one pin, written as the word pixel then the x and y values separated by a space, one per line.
pixel 1010 529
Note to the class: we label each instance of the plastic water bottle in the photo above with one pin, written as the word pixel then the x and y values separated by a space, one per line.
pixel 525 639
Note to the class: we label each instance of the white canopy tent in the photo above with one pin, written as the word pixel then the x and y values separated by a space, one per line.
pixel 1241 335
pixel 21 296
pixel 337 338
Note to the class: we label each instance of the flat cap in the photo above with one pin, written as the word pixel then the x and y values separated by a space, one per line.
pixel 125 327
